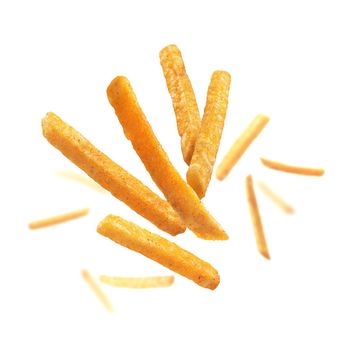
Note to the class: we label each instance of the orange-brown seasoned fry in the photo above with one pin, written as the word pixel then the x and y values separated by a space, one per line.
pixel 208 141
pixel 53 220
pixel 138 282
pixel 160 250
pixel 111 176
pixel 256 219
pixel 81 179
pixel 97 290
pixel 184 101
pixel 293 169
pixel 240 145
pixel 179 194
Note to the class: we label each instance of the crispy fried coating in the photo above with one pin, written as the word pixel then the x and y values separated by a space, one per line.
pixel 138 282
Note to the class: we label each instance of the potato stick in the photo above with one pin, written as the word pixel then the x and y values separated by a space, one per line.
pixel 138 282
pixel 179 194
pixel 97 290
pixel 275 198
pixel 292 168
pixel 256 219
pixel 241 145
pixel 184 101
pixel 53 220
pixel 111 176
pixel 71 175
pixel 160 250
pixel 208 141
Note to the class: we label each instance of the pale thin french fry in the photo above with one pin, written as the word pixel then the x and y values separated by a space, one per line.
pixel 179 194
pixel 97 290
pixel 183 97
pixel 57 219
pixel 241 145
pixel 138 282
pixel 208 141
pixel 256 219
pixel 111 176
pixel 275 198
pixel 293 169
pixel 71 175
pixel 160 250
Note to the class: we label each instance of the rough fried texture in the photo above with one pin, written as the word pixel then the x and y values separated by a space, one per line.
pixel 184 101
pixel 160 250
pixel 138 282
pixel 208 141
pixel 179 194
pixel 111 176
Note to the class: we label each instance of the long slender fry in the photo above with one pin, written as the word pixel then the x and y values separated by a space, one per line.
pixel 208 141
pixel 160 250
pixel 83 179
pixel 256 219
pixel 138 282
pixel 179 194
pixel 241 145
pixel 111 176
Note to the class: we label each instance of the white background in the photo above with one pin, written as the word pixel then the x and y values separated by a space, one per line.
pixel 288 60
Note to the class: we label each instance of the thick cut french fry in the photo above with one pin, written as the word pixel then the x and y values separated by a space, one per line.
pixel 179 194
pixel 53 220
pixel 241 145
pixel 160 250
pixel 184 100
pixel 293 169
pixel 111 176
pixel 138 282
pixel 208 141
pixel 256 219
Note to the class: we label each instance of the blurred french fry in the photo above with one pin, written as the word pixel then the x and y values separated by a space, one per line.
pixel 138 282
pixel 71 175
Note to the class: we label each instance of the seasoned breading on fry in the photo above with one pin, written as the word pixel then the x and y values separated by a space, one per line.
pixel 53 220
pixel 179 194
pixel 138 282
pixel 293 169
pixel 160 250
pixel 256 219
pixel 111 176
pixel 208 141
pixel 183 97
pixel 241 145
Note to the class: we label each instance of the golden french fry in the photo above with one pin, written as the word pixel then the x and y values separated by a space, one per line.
pixel 184 101
pixel 241 145
pixel 138 282
pixel 81 179
pixel 292 168
pixel 111 176
pixel 53 220
pixel 97 290
pixel 160 250
pixel 256 219
pixel 179 194
pixel 208 141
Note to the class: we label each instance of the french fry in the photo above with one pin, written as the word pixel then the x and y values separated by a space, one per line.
pixel 292 168
pixel 97 290
pixel 111 176
pixel 71 175
pixel 53 220
pixel 256 219
pixel 241 145
pixel 179 194
pixel 138 282
pixel 208 141
pixel 184 100
pixel 160 250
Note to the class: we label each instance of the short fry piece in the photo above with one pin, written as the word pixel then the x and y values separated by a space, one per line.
pixel 160 250
pixel 208 141
pixel 97 290
pixel 81 179
pixel 256 219
pixel 292 168
pixel 184 101
pixel 138 282
pixel 111 176
pixel 179 194
pixel 241 145
pixel 53 220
